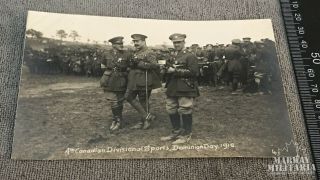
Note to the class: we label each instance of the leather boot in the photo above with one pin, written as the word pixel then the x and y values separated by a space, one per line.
pixel 175 121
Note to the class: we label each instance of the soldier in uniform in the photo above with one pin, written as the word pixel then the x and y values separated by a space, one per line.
pixel 233 55
pixel 263 68
pixel 64 62
pixel 247 48
pixel 144 76
pixel 193 48
pixel 211 74
pixel 182 88
pixel 114 79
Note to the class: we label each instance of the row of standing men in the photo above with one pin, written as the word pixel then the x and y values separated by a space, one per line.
pixel 132 76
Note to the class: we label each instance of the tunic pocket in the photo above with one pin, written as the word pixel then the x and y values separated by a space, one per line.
pixel 117 82
pixel 185 86
pixel 141 79
pixel 105 79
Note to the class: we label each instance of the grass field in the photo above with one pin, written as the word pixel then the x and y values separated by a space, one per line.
pixel 67 117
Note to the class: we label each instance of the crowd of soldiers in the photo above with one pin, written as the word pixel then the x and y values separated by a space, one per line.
pixel 246 66
pixel 250 70
pixel 69 60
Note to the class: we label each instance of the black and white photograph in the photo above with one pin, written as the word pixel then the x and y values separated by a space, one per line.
pixel 96 87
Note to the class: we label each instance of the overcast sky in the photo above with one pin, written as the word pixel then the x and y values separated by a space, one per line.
pixel 101 28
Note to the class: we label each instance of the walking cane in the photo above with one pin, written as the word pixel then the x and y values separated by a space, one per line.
pixel 147 99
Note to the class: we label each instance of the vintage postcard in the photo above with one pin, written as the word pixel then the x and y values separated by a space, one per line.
pixel 96 87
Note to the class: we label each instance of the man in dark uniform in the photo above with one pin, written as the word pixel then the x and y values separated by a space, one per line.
pixel 247 62
pixel 114 79
pixel 263 68
pixel 211 74
pixel 247 48
pixel 144 76
pixel 64 62
pixel 233 54
pixel 182 88
pixel 193 48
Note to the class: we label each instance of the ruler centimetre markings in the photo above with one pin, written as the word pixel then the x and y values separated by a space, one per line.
pixel 302 29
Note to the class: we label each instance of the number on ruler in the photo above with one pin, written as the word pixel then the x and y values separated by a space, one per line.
pixel 304 44
pixel 300 30
pixel 317 103
pixel 311 73
pixel 316 58
pixel 295 4
pixel 314 89
pixel 297 17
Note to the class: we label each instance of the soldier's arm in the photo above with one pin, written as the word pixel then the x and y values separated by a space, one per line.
pixel 103 62
pixel 191 70
pixel 149 63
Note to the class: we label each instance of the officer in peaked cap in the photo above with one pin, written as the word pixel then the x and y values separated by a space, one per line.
pixel 116 40
pixel 258 44
pixel 246 39
pixel 137 37
pixel 211 45
pixel 144 76
pixel 236 41
pixel 194 45
pixel 182 88
pixel 114 79
pixel 176 37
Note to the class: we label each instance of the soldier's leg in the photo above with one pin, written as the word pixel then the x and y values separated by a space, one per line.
pixel 143 101
pixel 185 109
pixel 120 98
pixel 172 110
pixel 230 79
pixel 265 85
pixel 115 108
pixel 143 98
pixel 131 97
pixel 236 75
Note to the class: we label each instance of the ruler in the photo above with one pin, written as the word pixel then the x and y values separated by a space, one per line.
pixel 302 23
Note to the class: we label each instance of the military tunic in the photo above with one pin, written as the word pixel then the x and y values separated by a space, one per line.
pixel 233 54
pixel 183 82
pixel 115 76
pixel 142 61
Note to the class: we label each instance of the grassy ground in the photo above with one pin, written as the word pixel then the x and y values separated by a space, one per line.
pixel 67 117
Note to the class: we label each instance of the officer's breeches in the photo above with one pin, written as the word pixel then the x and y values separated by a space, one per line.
pixel 115 99
pixel 182 105
pixel 142 96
